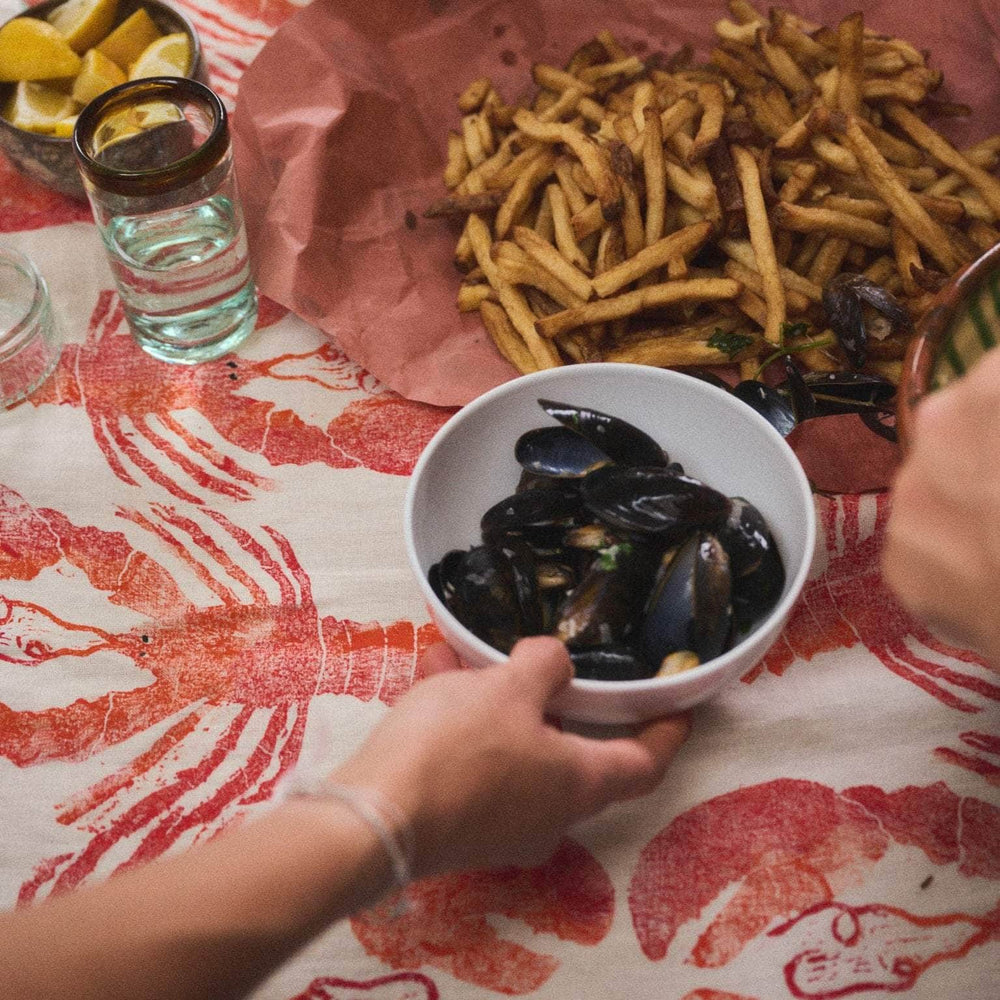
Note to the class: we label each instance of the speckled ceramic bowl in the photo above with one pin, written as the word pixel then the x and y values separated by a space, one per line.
pixel 49 159
pixel 963 322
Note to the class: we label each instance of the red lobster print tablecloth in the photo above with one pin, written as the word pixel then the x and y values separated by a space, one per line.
pixel 203 585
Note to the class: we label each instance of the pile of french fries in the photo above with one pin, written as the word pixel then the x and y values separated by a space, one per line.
pixel 677 214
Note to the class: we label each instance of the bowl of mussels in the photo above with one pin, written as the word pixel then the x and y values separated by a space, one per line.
pixel 652 521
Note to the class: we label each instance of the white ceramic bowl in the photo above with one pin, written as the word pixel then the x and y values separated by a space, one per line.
pixel 469 465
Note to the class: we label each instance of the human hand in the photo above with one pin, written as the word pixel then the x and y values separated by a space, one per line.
pixel 483 778
pixel 942 551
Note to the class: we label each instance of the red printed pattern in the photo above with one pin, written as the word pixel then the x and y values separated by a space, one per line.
pixel 445 923
pixel 785 846
pixel 124 393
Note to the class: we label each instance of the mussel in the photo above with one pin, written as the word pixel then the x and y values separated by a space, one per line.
pixel 690 607
pixel 623 443
pixel 849 300
pixel 652 501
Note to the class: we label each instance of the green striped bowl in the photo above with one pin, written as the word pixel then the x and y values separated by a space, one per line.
pixel 963 322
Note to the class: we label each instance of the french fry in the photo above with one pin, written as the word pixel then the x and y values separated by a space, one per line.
pixel 907 255
pixel 543 352
pixel 683 243
pixel 553 262
pixel 828 260
pixel 506 338
pixel 743 251
pixel 762 242
pixel 471 99
pixel 638 301
pixel 458 162
pixel 787 71
pixel 471 297
pixel 654 175
pixel 713 102
pixel 850 62
pixel 551 78
pixel 565 240
pixel 803 219
pixel 672 352
pixel 522 191
pixel 591 156
pixel 939 147
pixel 911 215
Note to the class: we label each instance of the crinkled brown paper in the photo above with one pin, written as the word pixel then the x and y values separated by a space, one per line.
pixel 340 130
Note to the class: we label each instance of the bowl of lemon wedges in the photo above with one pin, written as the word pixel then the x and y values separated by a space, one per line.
pixel 59 55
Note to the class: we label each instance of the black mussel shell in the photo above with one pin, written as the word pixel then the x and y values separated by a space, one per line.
pixel 607 603
pixel 614 662
pixel 797 391
pixel 690 607
pixel 652 501
pixel 844 298
pixel 850 392
pixel 443 575
pixel 524 575
pixel 756 593
pixel 493 594
pixel 769 403
pixel 745 536
pixel 558 452
pixel 531 481
pixel 618 439
pixel 537 508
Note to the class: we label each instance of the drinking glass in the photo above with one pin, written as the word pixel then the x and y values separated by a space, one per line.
pixel 157 165
pixel 29 340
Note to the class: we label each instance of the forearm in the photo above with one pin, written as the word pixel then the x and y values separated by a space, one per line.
pixel 210 923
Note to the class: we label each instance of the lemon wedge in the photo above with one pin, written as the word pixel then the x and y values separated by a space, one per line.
pixel 64 129
pixel 83 23
pixel 167 56
pixel 31 49
pixel 97 74
pixel 131 121
pixel 126 43
pixel 37 108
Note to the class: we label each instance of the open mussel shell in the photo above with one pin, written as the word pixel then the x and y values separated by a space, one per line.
pixel 757 592
pixel 531 510
pixel 606 605
pixel 690 607
pixel 652 501
pixel 491 590
pixel 849 392
pixel 622 442
pixel 558 452
pixel 745 536
pixel 615 662
pixel 769 403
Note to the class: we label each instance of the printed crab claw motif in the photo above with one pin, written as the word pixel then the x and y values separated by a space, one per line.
pixel 444 924
pixel 223 692
pixel 141 423
pixel 849 603
pixel 775 888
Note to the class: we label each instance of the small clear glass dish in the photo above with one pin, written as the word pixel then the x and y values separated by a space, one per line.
pixel 29 341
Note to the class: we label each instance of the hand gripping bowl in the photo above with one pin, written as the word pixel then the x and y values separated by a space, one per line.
pixel 961 324
pixel 469 465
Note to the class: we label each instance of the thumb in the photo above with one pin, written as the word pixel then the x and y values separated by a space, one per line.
pixel 541 666
pixel 629 766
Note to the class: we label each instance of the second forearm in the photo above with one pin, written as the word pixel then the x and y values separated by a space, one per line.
pixel 210 923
